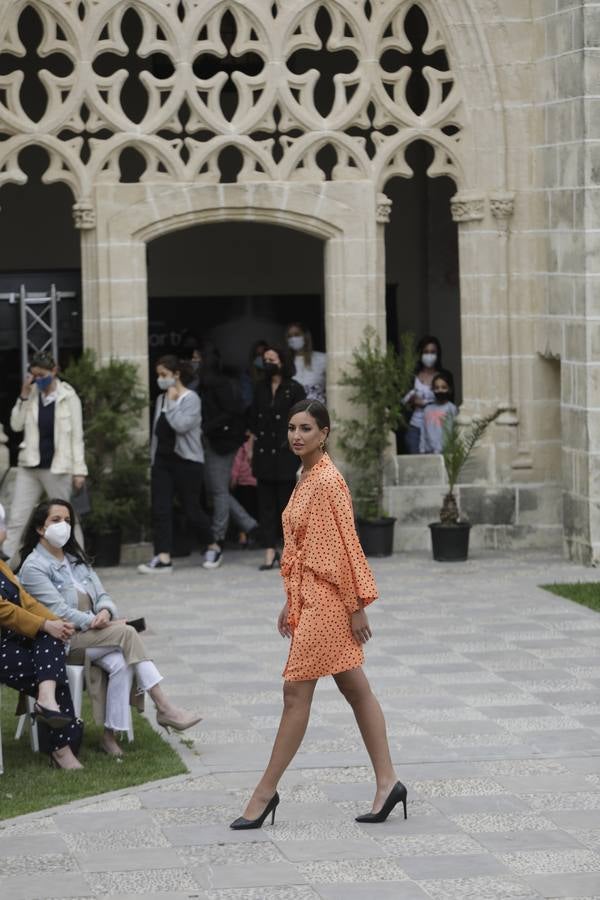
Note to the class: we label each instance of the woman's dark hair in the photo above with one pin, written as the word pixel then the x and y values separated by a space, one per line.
pixel 255 347
pixel 448 378
pixel 314 408
pixel 42 360
pixel 38 517
pixel 174 364
pixel 288 367
pixel 428 339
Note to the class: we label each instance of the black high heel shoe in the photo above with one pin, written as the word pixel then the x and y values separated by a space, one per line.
pixel 53 718
pixel 272 565
pixel 243 824
pixel 396 795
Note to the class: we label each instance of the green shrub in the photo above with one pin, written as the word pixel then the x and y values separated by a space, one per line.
pixel 379 379
pixel 113 403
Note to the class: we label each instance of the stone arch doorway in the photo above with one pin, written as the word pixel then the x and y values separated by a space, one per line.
pixel 233 283
pixel 342 216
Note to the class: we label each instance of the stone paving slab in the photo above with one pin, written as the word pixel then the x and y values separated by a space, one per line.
pixel 490 688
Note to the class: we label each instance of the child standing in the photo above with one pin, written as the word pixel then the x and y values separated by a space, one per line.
pixel 435 414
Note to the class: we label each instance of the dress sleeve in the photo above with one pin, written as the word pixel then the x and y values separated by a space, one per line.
pixel 26 619
pixel 359 583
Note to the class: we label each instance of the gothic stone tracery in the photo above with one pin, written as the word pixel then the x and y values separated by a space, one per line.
pixel 304 90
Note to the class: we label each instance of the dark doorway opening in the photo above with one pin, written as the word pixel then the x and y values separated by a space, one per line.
pixel 39 247
pixel 422 263
pixel 232 283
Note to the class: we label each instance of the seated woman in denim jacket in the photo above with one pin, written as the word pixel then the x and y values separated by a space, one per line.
pixel 56 570
pixel 32 661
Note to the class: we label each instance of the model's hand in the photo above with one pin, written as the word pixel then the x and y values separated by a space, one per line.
pixel 172 393
pixel 26 386
pixel 282 623
pixel 101 620
pixel 58 629
pixel 360 626
pixel 78 482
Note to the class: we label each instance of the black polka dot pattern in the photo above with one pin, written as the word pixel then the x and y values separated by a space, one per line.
pixel 325 574
pixel 24 662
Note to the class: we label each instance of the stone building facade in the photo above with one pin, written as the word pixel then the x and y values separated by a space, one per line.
pixel 510 115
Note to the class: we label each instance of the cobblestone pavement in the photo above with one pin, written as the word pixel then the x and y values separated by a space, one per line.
pixel 491 691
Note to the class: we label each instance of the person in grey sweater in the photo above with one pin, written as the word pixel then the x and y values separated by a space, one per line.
pixel 177 459
pixel 437 414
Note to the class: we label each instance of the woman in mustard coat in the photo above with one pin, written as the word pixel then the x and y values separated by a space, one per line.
pixel 32 660
pixel 328 583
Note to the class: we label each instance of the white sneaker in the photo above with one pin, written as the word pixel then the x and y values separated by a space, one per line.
pixel 212 559
pixel 155 567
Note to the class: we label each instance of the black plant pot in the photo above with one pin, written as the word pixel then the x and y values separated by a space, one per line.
pixel 376 536
pixel 105 548
pixel 450 543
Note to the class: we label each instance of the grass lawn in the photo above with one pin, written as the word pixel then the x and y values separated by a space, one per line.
pixel 586 593
pixel 28 784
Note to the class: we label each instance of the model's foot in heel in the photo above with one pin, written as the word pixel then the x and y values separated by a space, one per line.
pixel 396 795
pixel 242 823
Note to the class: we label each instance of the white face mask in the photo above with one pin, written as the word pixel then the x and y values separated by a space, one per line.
pixel 429 360
pixel 296 342
pixel 165 382
pixel 58 534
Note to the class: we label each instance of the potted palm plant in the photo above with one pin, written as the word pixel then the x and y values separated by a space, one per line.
pixel 450 536
pixel 117 461
pixel 379 379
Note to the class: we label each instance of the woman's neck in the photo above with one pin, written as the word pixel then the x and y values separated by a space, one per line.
pixel 51 388
pixel 311 459
pixel 57 552
pixel 275 382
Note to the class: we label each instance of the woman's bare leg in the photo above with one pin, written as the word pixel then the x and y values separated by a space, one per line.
pixel 297 699
pixel 371 723
pixel 66 759
pixel 47 694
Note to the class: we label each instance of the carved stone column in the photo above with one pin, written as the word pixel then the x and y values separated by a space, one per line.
pixel 502 207
pixel 85 220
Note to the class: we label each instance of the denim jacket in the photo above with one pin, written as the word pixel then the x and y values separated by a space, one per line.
pixel 49 581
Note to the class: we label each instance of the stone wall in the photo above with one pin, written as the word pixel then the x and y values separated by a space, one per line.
pixel 512 120
pixel 503 515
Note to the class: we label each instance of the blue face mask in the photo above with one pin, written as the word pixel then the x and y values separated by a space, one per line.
pixel 259 362
pixel 44 381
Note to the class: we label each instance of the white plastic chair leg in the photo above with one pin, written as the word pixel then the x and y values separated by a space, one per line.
pixel 75 677
pixel 27 720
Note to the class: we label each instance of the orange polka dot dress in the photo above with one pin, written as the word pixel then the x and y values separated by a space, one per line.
pixel 326 576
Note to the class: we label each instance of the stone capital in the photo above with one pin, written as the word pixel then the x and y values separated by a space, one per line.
pixel 84 214
pixel 468 206
pixel 502 205
pixel 384 209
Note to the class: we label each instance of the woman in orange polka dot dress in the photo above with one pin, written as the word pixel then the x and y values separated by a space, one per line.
pixel 328 583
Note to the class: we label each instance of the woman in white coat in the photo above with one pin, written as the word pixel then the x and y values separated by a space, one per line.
pixel 51 457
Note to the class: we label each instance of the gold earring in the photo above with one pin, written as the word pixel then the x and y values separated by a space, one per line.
pixel 322 446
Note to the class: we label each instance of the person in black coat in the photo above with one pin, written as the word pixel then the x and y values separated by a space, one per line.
pixel 273 463
pixel 224 432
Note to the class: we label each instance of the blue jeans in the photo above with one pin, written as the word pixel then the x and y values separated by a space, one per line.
pixel 412 439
